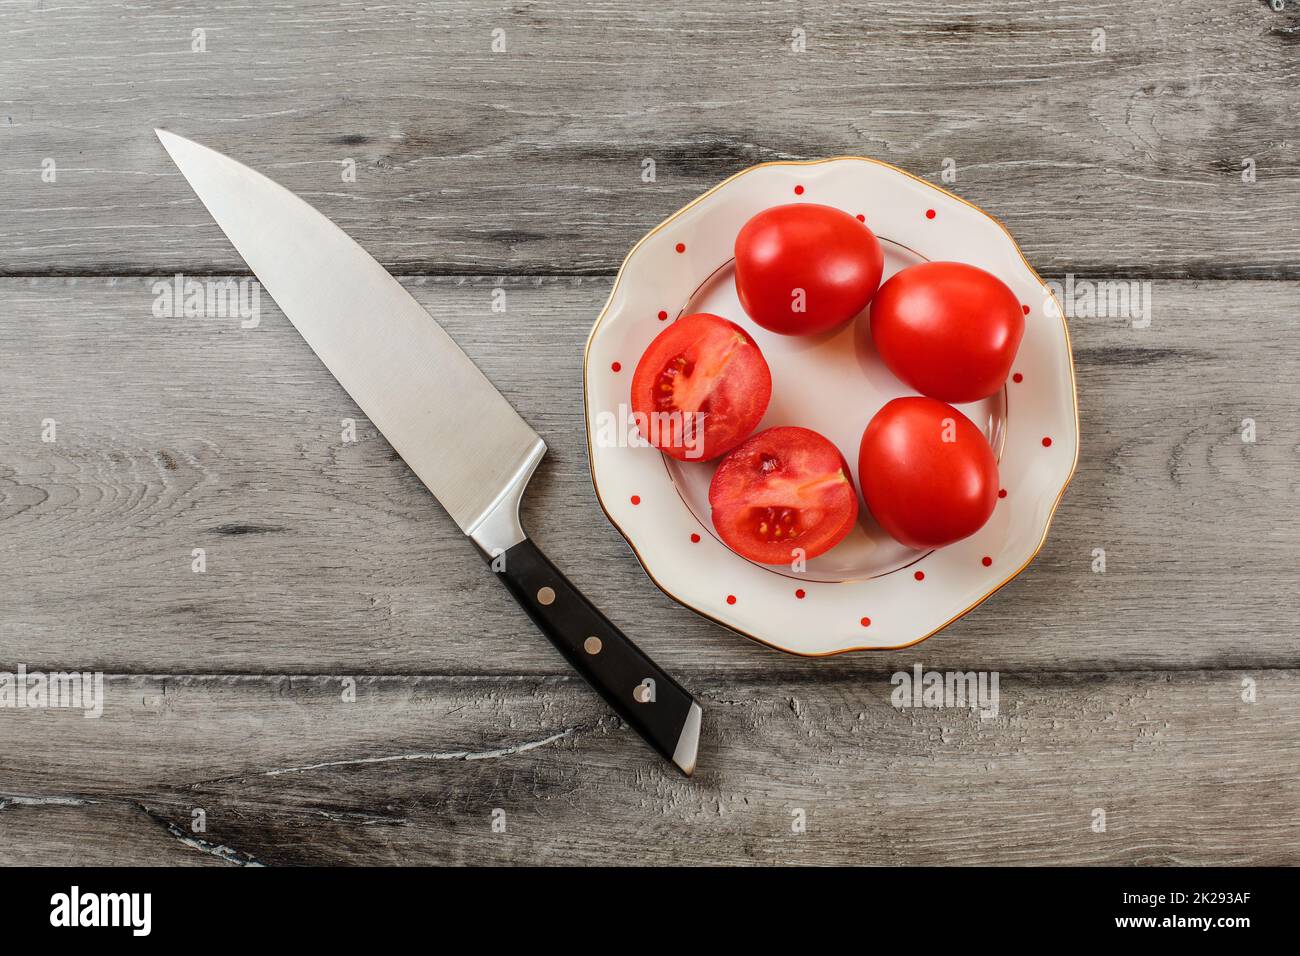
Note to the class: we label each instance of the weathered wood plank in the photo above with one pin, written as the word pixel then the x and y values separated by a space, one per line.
pixel 287 772
pixel 530 160
pixel 75 832
pixel 323 556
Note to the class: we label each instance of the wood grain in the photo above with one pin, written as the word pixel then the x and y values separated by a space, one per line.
pixel 529 161
pixel 329 557
pixel 286 772
pixel 327 560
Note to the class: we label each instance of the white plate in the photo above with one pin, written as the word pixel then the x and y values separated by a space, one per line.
pixel 869 591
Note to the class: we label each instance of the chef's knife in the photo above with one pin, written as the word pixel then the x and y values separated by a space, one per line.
pixel 448 422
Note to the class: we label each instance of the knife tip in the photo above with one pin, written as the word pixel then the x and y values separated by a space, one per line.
pixel 167 138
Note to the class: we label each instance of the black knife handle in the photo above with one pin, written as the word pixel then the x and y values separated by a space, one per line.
pixel 654 704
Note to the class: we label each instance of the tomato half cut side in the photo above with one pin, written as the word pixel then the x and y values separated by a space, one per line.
pixel 700 388
pixel 785 493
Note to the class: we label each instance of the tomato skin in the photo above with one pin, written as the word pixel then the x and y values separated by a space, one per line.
pixel 700 364
pixel 948 329
pixel 835 259
pixel 785 488
pixel 924 491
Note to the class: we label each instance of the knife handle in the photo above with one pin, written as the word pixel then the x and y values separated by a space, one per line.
pixel 654 704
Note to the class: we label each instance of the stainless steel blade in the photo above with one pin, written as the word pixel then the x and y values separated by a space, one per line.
pixel 441 414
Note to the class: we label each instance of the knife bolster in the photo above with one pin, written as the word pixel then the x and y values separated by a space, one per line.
pixel 498 529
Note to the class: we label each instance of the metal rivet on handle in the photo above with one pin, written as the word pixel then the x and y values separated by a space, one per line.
pixel 545 596
pixel 592 645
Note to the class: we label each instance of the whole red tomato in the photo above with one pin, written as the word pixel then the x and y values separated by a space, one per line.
pixel 927 474
pixel 700 388
pixel 805 268
pixel 785 492
pixel 947 329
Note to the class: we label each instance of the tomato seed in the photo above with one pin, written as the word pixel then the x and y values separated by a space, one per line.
pixel 777 524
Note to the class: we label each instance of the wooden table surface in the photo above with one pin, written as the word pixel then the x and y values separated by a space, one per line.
pixel 1137 141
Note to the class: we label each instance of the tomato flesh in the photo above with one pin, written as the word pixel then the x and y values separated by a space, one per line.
pixel 783 494
pixel 928 475
pixel 700 388
pixel 805 268
pixel 948 329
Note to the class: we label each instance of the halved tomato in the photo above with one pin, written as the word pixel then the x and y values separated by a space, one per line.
pixel 700 388
pixel 928 475
pixel 784 492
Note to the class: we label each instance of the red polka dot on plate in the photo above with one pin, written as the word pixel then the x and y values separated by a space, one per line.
pixel 861 218
pixel 1002 492
pixel 636 499
pixel 798 190
pixel 616 366
pixel 865 622
pixel 1025 309
pixel 1047 443
pixel 919 575
pixel 929 214
pixel 986 561
pixel 695 538
pixel 681 247
pixel 800 594
pixel 662 315
pixel 1017 378
pixel 731 599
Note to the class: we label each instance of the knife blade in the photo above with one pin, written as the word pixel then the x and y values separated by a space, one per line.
pixel 459 435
